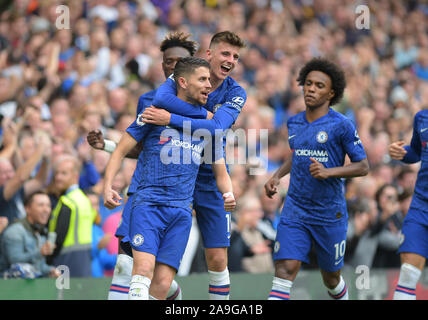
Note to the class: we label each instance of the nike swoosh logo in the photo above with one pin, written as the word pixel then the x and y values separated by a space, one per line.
pixel 291 136
pixel 424 129
pixel 337 262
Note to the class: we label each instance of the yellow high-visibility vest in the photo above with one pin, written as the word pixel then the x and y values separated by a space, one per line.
pixel 79 234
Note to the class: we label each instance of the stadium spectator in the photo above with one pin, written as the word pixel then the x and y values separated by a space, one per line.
pixel 15 185
pixel 359 222
pixel 405 198
pixel 375 229
pixel 256 254
pixel 72 220
pixel 25 241
pixel 388 228
pixel 238 248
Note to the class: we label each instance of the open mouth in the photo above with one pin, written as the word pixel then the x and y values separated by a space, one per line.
pixel 204 95
pixel 225 68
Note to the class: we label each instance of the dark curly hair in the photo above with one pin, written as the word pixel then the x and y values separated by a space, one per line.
pixel 336 74
pixel 179 39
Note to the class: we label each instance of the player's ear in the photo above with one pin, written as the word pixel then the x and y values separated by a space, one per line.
pixel 209 54
pixel 182 82
pixel 331 94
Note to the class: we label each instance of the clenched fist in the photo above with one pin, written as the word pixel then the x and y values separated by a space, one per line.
pixel 95 139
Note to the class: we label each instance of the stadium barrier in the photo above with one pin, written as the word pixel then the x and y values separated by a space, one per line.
pixel 363 284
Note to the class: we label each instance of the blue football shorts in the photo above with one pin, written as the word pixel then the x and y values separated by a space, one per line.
pixel 213 220
pixel 162 231
pixel 123 228
pixel 414 232
pixel 294 241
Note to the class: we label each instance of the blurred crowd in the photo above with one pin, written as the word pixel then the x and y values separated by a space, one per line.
pixel 57 84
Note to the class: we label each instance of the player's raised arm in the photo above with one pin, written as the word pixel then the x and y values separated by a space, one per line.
pixel 224 184
pixel 223 118
pixel 166 98
pixel 111 197
pixel 96 140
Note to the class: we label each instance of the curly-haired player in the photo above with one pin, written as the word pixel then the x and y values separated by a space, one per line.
pixel 314 211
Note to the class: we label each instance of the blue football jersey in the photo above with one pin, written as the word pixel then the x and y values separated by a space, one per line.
pixel 328 140
pixel 145 101
pixel 170 161
pixel 226 102
pixel 418 151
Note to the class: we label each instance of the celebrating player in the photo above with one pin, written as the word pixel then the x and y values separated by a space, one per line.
pixel 315 209
pixel 175 46
pixel 414 249
pixel 226 100
pixel 162 209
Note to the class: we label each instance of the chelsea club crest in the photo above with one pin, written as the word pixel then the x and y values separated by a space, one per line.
pixel 138 240
pixel 322 137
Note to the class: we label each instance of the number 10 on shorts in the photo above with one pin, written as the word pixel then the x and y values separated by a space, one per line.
pixel 340 250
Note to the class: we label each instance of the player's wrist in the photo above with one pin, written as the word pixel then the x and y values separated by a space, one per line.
pixel 275 179
pixel 228 194
pixel 109 146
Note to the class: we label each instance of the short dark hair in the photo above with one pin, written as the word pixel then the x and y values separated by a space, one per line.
pixel 336 74
pixel 179 39
pixel 228 37
pixel 188 65
pixel 29 199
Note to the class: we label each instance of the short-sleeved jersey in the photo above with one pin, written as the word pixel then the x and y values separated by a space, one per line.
pixel 328 140
pixel 419 147
pixel 170 161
